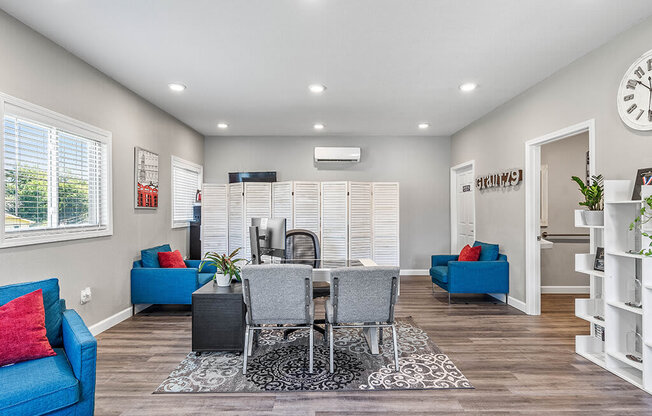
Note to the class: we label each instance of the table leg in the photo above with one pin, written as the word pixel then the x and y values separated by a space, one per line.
pixel 371 335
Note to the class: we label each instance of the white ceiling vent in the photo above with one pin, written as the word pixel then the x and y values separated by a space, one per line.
pixel 337 154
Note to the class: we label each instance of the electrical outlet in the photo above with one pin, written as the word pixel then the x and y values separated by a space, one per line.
pixel 85 295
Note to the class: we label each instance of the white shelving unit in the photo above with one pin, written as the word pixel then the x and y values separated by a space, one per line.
pixel 612 289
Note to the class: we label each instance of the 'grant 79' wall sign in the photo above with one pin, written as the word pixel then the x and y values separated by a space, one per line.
pixel 503 179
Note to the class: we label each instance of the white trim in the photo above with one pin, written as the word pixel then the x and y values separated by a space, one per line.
pixel 73 126
pixel 415 272
pixel 532 207
pixel 517 304
pixel 453 201
pixel 177 161
pixel 111 321
pixel 565 289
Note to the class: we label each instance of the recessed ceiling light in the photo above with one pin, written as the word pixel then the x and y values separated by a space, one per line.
pixel 424 125
pixel 316 88
pixel 177 87
pixel 222 125
pixel 469 86
pixel 319 126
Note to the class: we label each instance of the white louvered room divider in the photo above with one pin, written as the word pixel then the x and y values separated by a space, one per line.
pixel 351 219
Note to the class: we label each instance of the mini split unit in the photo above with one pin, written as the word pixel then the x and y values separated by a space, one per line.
pixel 337 154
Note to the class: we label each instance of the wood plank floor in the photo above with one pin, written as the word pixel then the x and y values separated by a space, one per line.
pixel 518 364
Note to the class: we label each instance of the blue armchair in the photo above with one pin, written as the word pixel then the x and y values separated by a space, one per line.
pixel 153 284
pixel 63 384
pixel 490 274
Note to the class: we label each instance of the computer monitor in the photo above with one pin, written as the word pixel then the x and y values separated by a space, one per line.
pixel 267 237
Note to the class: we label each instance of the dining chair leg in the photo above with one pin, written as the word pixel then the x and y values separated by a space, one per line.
pixel 250 350
pixel 311 347
pixel 245 352
pixel 395 347
pixel 380 335
pixel 330 341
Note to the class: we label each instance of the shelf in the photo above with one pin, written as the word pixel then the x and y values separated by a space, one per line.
pixel 636 201
pixel 592 272
pixel 626 254
pixel 623 359
pixel 597 227
pixel 629 374
pixel 591 319
pixel 621 305
pixel 595 357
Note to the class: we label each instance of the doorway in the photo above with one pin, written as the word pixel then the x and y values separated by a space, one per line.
pixel 533 206
pixel 462 206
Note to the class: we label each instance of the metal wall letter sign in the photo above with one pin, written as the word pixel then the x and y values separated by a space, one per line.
pixel 503 179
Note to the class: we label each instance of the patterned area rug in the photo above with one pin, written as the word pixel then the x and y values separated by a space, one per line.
pixel 282 366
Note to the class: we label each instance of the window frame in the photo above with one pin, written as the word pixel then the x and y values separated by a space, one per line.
pixel 183 163
pixel 57 120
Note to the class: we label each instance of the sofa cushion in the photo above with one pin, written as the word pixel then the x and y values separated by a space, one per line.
pixel 489 252
pixel 204 278
pixel 171 259
pixel 38 386
pixel 51 304
pixel 440 273
pixel 149 257
pixel 469 254
pixel 22 329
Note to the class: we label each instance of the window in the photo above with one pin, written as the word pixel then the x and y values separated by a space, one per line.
pixel 186 181
pixel 56 183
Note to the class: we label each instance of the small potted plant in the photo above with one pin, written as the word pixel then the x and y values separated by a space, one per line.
pixel 593 192
pixel 226 265
pixel 644 217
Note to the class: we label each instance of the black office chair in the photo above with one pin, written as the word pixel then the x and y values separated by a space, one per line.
pixel 304 245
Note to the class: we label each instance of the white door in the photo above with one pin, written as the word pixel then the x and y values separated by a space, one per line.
pixel 464 210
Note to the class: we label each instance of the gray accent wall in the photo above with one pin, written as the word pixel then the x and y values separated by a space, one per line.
pixel 584 90
pixel 419 164
pixel 39 71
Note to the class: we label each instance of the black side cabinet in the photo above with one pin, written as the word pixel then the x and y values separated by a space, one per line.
pixel 218 318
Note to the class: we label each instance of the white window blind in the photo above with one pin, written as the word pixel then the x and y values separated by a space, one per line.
pixel 56 176
pixel 186 180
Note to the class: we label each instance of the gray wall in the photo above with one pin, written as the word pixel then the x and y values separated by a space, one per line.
pixel 565 158
pixel 37 70
pixel 420 164
pixel 584 90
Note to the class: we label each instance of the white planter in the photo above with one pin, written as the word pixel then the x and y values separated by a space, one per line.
pixel 223 280
pixel 593 218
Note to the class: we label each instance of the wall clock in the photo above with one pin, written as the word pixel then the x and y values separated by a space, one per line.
pixel 635 94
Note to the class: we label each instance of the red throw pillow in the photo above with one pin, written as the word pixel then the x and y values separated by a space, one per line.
pixel 470 253
pixel 22 329
pixel 171 259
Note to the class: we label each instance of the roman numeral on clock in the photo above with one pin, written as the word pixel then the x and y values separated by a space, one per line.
pixel 649 64
pixel 640 114
pixel 629 97
pixel 631 109
pixel 639 72
pixel 631 84
pixel 649 116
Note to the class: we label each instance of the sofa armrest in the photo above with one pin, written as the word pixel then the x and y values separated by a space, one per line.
pixel 206 269
pixel 479 276
pixel 81 350
pixel 442 260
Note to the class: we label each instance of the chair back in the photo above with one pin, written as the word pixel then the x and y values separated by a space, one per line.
pixel 301 245
pixel 277 293
pixel 364 294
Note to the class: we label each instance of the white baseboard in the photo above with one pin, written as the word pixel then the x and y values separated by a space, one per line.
pixel 565 289
pixel 112 320
pixel 517 304
pixel 415 272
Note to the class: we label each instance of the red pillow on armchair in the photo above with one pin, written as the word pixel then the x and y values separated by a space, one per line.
pixel 22 329
pixel 171 259
pixel 469 253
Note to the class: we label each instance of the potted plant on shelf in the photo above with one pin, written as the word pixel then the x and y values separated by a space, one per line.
pixel 593 192
pixel 645 216
pixel 226 265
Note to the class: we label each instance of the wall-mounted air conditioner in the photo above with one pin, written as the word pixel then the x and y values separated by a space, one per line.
pixel 337 154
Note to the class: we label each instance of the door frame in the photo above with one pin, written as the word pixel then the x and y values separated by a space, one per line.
pixel 533 209
pixel 453 200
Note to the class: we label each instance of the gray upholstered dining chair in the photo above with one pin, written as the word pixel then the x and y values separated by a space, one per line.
pixel 277 294
pixel 362 297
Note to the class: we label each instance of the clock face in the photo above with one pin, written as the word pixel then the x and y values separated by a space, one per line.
pixel 635 94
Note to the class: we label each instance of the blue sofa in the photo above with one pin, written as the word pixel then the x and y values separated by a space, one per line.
pixel 490 274
pixel 63 384
pixel 152 284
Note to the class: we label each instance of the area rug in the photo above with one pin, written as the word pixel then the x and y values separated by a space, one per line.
pixel 279 365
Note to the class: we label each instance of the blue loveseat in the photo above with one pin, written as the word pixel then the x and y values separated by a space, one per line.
pixel 152 284
pixel 490 274
pixel 63 384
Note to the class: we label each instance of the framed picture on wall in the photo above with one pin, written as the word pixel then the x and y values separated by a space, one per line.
pixel 145 178
pixel 599 259
pixel 643 177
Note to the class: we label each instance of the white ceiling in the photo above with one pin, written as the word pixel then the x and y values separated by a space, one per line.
pixel 388 64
